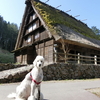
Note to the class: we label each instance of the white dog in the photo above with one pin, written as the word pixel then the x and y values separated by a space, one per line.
pixel 25 91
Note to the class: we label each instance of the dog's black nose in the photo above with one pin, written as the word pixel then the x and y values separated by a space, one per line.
pixel 39 65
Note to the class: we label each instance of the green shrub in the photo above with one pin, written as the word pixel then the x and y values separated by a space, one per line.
pixel 6 57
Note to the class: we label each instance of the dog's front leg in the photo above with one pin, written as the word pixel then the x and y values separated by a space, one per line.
pixel 39 95
pixel 38 92
pixel 33 86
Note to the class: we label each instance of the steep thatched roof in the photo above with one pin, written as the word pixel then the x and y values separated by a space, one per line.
pixel 62 25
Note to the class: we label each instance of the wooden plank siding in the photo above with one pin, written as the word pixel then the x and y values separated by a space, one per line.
pixel 48 43
pixel 49 54
pixel 41 51
pixel 18 59
pixel 24 59
pixel 46 50
pixel 41 45
pixel 46 55
pixel 43 35
pixel 24 56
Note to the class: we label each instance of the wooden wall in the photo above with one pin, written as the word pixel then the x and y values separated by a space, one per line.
pixel 27 55
pixel 46 50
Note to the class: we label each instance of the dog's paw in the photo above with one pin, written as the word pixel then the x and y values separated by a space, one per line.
pixel 41 96
pixel 31 98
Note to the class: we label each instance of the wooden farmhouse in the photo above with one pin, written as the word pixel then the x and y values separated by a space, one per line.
pixel 55 35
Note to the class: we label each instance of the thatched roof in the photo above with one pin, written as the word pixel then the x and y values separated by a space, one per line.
pixel 69 34
pixel 63 26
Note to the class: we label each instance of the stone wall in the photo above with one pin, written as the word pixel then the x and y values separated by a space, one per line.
pixel 53 72
pixel 71 71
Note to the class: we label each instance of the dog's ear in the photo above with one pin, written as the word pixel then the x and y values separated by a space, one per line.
pixel 43 61
pixel 34 63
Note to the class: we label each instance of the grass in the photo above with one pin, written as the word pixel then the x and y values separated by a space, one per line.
pixel 95 91
pixel 6 56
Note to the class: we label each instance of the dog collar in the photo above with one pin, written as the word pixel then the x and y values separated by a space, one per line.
pixel 34 80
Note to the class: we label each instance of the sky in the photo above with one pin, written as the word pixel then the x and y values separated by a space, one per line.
pixel 89 10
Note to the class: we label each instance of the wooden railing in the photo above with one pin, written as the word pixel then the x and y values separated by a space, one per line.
pixel 76 58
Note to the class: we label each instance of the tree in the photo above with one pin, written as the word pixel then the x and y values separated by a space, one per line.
pixel 8 34
pixel 95 30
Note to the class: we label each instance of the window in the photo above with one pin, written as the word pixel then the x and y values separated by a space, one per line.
pixel 33 16
pixel 30 28
pixel 29 39
pixel 37 36
pixel 34 26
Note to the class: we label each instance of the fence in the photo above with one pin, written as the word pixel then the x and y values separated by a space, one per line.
pixel 76 58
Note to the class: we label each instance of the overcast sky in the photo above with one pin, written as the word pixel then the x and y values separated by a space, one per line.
pixel 89 10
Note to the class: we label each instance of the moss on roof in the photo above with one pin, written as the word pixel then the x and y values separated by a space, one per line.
pixel 53 16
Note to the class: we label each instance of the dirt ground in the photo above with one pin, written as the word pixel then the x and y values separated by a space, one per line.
pixel 95 91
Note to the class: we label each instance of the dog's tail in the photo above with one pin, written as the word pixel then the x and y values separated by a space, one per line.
pixel 12 96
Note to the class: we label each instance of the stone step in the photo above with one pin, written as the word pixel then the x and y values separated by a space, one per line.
pixel 14 75
pixel 8 66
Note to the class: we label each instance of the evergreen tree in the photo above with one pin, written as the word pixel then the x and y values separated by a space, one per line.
pixel 8 34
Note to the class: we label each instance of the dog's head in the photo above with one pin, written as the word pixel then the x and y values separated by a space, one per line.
pixel 38 62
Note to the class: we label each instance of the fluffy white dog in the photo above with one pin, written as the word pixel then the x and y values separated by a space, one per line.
pixel 26 90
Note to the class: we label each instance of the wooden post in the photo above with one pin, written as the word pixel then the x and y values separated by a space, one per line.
pixel 95 60
pixel 55 53
pixel 78 58
pixel 65 48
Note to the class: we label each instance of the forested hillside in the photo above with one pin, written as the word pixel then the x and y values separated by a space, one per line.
pixel 8 34
pixel 6 56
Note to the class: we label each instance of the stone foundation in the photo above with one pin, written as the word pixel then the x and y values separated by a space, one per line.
pixel 53 72
pixel 71 71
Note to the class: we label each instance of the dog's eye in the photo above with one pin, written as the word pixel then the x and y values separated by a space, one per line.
pixel 41 61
